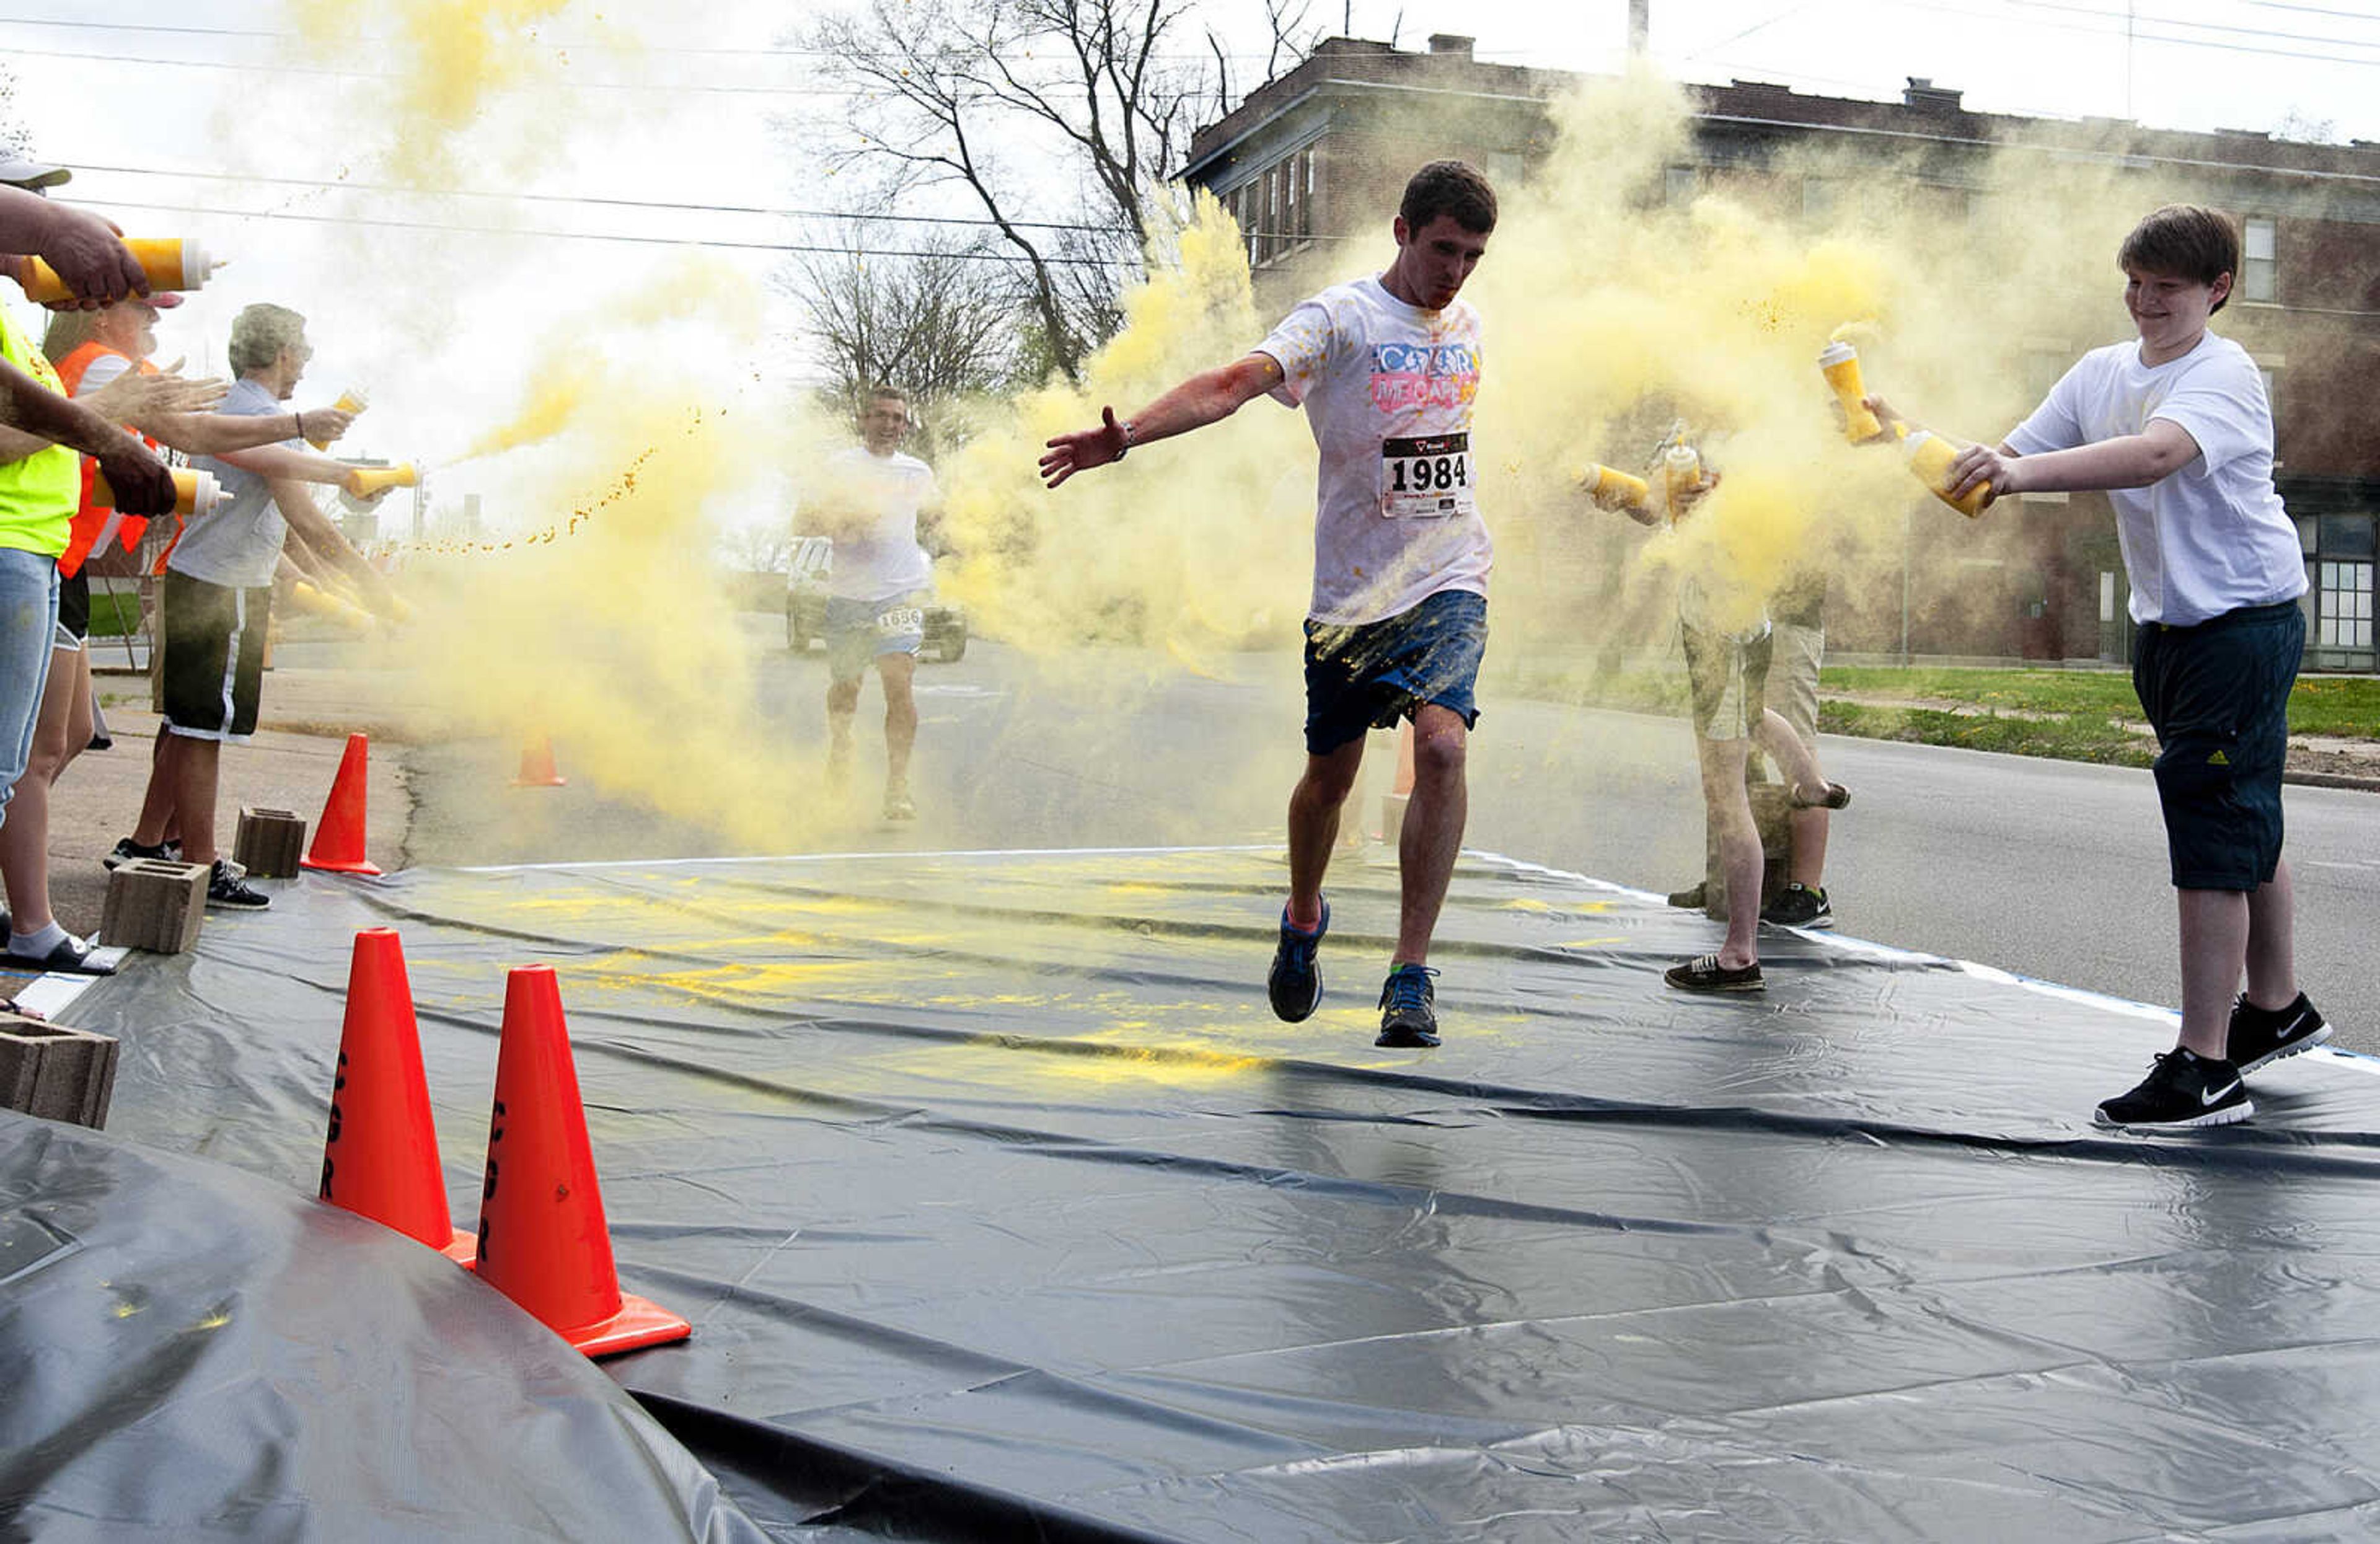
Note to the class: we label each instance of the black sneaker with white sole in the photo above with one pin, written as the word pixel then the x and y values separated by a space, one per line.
pixel 232 892
pixel 127 849
pixel 1799 906
pixel 2182 1088
pixel 2262 1035
pixel 1703 973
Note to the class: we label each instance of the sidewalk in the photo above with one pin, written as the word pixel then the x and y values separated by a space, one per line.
pixel 290 764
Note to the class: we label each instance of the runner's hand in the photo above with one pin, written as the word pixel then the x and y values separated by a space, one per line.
pixel 89 253
pixel 1084 449
pixel 326 424
pixel 141 483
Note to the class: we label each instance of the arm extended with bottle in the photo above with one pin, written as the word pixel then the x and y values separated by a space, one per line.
pixel 1930 457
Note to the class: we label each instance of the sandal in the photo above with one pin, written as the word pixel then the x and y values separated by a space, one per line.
pixel 72 954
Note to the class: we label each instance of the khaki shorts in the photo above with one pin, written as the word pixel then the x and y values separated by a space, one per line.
pixel 1793 677
pixel 1728 679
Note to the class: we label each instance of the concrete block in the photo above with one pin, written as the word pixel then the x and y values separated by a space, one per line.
pixel 56 1073
pixel 270 843
pixel 154 905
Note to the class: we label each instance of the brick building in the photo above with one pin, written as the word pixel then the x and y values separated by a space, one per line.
pixel 1319 154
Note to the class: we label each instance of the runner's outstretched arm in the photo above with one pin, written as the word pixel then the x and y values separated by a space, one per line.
pixel 1205 398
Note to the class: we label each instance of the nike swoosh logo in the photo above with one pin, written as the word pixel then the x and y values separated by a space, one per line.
pixel 2211 1095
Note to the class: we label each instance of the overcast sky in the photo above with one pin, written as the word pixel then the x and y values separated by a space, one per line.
pixel 208 117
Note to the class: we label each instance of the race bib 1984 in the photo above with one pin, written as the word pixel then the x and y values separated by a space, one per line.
pixel 1428 477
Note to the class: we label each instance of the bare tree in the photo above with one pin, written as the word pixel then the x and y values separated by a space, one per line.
pixel 1067 107
pixel 938 323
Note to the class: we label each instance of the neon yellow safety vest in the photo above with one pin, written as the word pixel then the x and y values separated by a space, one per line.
pixel 38 494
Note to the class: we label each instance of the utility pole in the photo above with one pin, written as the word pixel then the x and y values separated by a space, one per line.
pixel 1640 27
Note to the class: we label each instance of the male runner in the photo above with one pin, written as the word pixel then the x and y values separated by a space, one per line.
pixel 1387 369
pixel 869 502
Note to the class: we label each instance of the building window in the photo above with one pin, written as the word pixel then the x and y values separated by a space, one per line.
pixel 2346 608
pixel 2258 269
pixel 1817 198
pixel 1681 185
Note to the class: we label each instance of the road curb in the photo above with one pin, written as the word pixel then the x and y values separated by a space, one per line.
pixel 2332 779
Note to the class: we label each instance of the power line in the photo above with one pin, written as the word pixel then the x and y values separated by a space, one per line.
pixel 391 75
pixel 586 45
pixel 978 221
pixel 383 222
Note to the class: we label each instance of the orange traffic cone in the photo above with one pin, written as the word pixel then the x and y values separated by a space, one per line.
pixel 381 1161
pixel 537 768
pixel 542 1239
pixel 339 837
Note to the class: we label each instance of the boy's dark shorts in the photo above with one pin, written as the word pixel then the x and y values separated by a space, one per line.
pixel 1369 675
pixel 2218 695
pixel 214 657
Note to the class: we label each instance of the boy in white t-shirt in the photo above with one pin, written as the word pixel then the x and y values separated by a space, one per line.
pixel 1387 369
pixel 2177 429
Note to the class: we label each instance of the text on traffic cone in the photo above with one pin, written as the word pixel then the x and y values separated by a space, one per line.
pixel 543 1242
pixel 339 835
pixel 380 1160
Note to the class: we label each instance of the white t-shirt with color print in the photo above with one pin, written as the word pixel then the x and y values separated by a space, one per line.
pixel 2209 538
pixel 1387 390
pixel 879 558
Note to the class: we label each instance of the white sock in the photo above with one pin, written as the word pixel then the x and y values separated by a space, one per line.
pixel 36 946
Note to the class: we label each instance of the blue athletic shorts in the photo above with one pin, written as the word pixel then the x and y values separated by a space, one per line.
pixel 1371 675
pixel 2218 695
pixel 858 631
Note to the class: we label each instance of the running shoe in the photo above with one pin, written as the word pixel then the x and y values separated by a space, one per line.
pixel 899 806
pixel 1799 906
pixel 232 892
pixel 1826 796
pixel 2182 1088
pixel 2262 1035
pixel 70 954
pixel 127 849
pixel 1294 983
pixel 1703 973
pixel 1408 1016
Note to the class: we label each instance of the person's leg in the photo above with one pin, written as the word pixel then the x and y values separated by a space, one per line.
pixel 2214 952
pixel 157 800
pixel 1313 808
pixel 1798 759
pixel 2272 941
pixel 197 764
pixel 1433 829
pixel 898 673
pixel 1727 806
pixel 25 839
pixel 28 621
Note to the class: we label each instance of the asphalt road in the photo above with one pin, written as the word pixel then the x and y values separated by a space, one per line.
pixel 2046 868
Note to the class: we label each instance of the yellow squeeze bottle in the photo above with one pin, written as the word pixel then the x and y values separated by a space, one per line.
pixel 1930 457
pixel 1839 363
pixel 171 261
pixel 195 492
pixel 350 401
pixel 1610 484
pixel 364 481
pixel 1681 473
